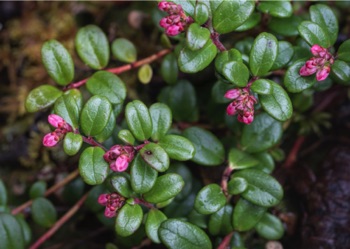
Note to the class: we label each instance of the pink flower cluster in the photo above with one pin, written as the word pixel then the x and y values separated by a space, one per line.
pixel 177 20
pixel 242 104
pixel 62 128
pixel 319 64
pixel 119 157
pixel 113 203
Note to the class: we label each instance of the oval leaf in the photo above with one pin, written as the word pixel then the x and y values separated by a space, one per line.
pixel 201 13
pixel 225 57
pixel 276 8
pixel 209 199
pixel 124 50
pixel 143 177
pixel 266 162
pixel 236 186
pixel 152 224
pixel 236 72
pixel 37 189
pixel 262 86
pixel 270 227
pixel 121 183
pixel 285 26
pixel 12 236
pixel 341 71
pixel 72 143
pixel 220 222
pixel 126 137
pixel 246 215
pixel 41 97
pixel 161 119
pixel 3 194
pixel 240 160
pixel 344 51
pixel 169 69
pixel 314 34
pixel 43 212
pixel 145 74
pixel 294 82
pixel 177 147
pixel 128 220
pixel 155 156
pixel 196 36
pixel 108 130
pixel 285 54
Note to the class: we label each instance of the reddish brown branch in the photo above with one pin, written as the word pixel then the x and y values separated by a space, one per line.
pixel 292 156
pixel 224 179
pixel 59 223
pixel 215 38
pixel 225 243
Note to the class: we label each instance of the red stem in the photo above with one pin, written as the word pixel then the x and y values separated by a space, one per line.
pixel 292 156
pixel 225 177
pixel 142 202
pixel 91 141
pixel 226 241
pixel 215 38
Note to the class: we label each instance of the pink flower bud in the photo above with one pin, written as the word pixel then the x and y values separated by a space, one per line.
pixel 232 94
pixel 323 73
pixel 231 109
pixel 164 22
pixel 55 120
pixel 163 5
pixel 50 139
pixel 316 49
pixel 173 30
pixel 246 118
pixel 304 71
pixel 109 213
pixel 103 199
pixel 122 163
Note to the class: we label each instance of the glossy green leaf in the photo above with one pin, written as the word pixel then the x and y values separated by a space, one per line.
pixel 139 120
pixel 41 97
pixel 263 54
pixel 263 190
pixel 200 220
pixel 236 72
pixel 262 134
pixel 124 50
pixel 210 199
pixel 285 26
pixel 11 233
pixel 182 170
pixel 3 194
pixel 58 62
pixel 240 160
pixel 187 5
pixel 167 186
pixel 266 162
pixel 43 212
pixel 341 70
pixel 108 130
pixel 194 61
pixel 218 91
pixel 161 119
pixel 128 220
pixel 37 189
pixel 145 74
pixel 92 46
pixel 344 51
pixel 92 167
pixel 229 15
pixel 201 13
pixel 154 219
pixel 270 227
pixel 155 156
pixel 227 56
pixel 142 176
pixel 294 82
pixel 197 36
pixel 93 195
pixel 237 185
pixel 246 215
pixel 95 115
pixel 220 221
pixel 121 183
pixel 278 103
pixel 285 54
pixel 282 8
pixel 209 149
pixel 314 34
pixel 262 86
pixel 26 230
pixel 126 137
pixel 177 234
pixel 169 69
pixel 72 143
pixel 177 147
pixel 250 23
pixel 325 17
pixel 108 85
pixel 69 106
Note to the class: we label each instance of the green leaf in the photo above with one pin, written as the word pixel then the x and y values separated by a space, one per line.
pixel 58 62
pixel 121 183
pixel 124 50
pixel 209 149
pixel 237 185
pixel 344 51
pixel 92 167
pixel 294 82
pixel 218 91
pixel 11 233
pixel 263 190
pixel 246 215
pixel 155 156
pixel 314 34
pixel 220 222
pixel 285 54
pixel 37 189
pixel 143 177
pixel 201 13
pixel 41 97
pixel 262 134
pixel 263 54
pixel 126 137
pixel 92 46
pixel 26 230
pixel 181 98
pixel 282 8
pixel 262 86
pixel 227 56
pixel 270 227
pixel 43 212
pixel 185 173
pixel 177 147
pixel 266 162
pixel 177 234
pixel 169 69
pixel 152 224
pixel 95 115
pixel 3 194
pixel 236 72
pixel 139 120
pixel 194 61
pixel 197 219
pixel 145 73
pixel 209 199
pixel 128 220
pixel 278 103
pixel 229 15
pixel 93 195
pixel 108 85
pixel 250 23
pixel 197 36
pixel 69 106
pixel 72 143
pixel 108 130
pixel 240 160
pixel 167 186
pixel 285 26
pixel 161 119
pixel 341 71
pixel 324 16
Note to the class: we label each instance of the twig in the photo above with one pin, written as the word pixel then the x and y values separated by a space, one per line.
pixel 51 190
pixel 142 202
pixel 59 223
pixel 91 141
pixel 225 177
pixel 215 38
pixel 226 241
pixel 292 156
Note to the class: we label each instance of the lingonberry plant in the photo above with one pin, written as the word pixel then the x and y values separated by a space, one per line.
pixel 139 157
